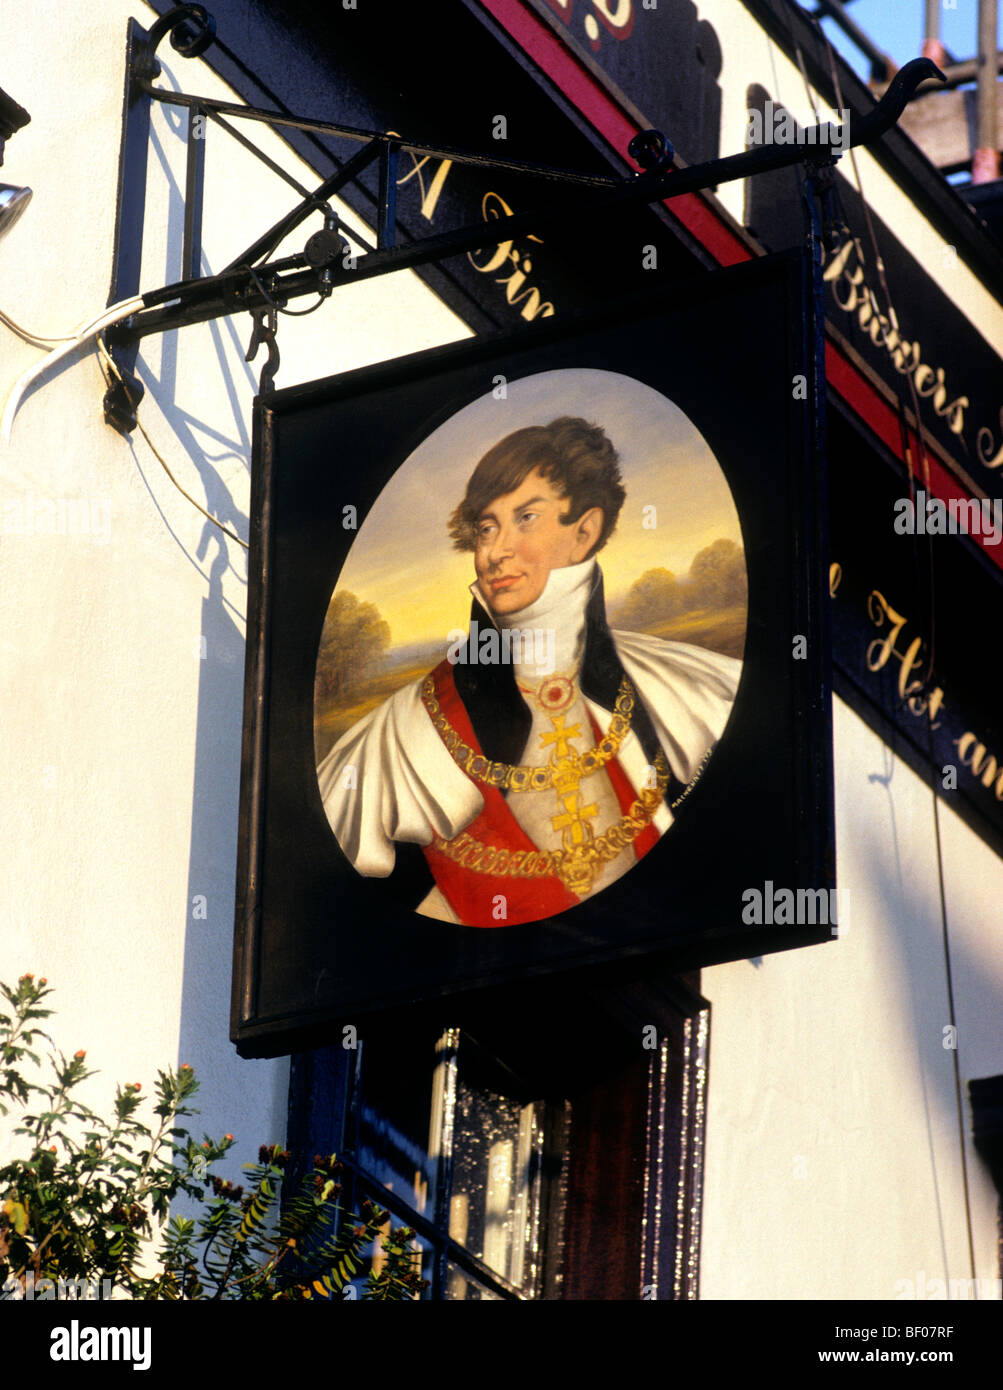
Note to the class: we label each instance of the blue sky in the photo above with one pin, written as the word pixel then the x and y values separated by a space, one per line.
pixel 897 27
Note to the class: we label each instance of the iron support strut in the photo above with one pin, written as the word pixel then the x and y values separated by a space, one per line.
pixel 251 282
pixel 188 302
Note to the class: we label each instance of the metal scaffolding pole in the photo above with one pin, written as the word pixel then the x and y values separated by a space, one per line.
pixel 932 46
pixel 986 159
pixel 882 65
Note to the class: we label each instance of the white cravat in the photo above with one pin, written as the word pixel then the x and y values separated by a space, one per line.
pixel 560 610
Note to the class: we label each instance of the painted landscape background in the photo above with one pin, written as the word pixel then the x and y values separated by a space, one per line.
pixel 357 669
pixel 674 567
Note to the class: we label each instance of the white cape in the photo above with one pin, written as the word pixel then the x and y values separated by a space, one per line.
pixel 390 777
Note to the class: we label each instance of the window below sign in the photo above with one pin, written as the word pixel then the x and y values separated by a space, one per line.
pixel 475 1159
pixel 516 1164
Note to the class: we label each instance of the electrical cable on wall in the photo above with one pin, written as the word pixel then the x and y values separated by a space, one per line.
pixel 60 347
pixel 105 319
pixel 35 339
pixel 924 468
pixel 109 369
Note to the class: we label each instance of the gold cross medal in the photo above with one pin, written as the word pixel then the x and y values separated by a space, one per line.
pixel 579 862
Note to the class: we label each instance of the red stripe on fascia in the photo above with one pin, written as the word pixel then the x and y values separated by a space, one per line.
pixel 539 42
pixel 703 223
pixel 858 393
pixel 875 411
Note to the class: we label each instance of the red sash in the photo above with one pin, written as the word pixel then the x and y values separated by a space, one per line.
pixel 488 900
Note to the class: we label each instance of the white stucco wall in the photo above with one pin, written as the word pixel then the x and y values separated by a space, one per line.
pixel 833 1162
pixel 120 741
pixel 832 1151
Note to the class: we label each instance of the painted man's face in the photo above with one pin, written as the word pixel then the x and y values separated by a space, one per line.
pixel 520 539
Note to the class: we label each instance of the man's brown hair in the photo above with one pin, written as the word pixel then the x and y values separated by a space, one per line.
pixel 575 457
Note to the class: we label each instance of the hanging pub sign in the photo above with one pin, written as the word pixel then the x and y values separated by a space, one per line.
pixel 536 661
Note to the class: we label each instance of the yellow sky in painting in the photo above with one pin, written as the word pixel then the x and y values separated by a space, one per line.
pixel 402 559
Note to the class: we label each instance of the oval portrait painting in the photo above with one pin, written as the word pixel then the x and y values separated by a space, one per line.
pixel 532 649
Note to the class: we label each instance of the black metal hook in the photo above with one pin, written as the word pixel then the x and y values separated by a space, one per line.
pixel 901 91
pixel 191 27
pixel 266 322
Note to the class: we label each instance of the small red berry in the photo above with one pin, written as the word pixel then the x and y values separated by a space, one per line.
pixel 228 1138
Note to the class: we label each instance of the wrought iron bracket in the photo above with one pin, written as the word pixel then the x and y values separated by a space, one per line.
pixel 196 298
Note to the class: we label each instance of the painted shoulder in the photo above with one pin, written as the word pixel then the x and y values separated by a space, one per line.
pixel 388 778
pixel 688 691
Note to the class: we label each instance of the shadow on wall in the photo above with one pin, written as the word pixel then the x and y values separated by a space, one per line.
pixel 977 998
pixel 693 115
pixel 773 205
pixel 247 1098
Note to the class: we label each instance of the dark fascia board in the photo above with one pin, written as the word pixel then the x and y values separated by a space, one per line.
pixel 791 29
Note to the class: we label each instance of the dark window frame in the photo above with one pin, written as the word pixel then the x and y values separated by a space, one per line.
pixel 631 1064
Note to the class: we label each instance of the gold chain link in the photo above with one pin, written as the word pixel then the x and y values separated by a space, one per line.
pixel 574 866
pixel 523 778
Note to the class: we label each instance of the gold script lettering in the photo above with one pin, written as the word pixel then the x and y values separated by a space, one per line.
pixel 492 206
pixel 982 763
pixel 836 270
pixel 985 444
pixel 920 378
pixel 909 663
pixel 429 196
pixel 852 293
pixel 878 652
pixel 506 253
pixel 955 413
pixel 972 752
pixel 618 16
pixel 878 608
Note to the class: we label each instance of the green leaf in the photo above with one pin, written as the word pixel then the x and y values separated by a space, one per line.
pixel 17 1214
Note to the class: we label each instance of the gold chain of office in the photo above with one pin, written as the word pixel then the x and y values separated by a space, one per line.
pixel 576 866
pixel 524 778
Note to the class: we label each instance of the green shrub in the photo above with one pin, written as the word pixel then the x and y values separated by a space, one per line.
pixel 81 1205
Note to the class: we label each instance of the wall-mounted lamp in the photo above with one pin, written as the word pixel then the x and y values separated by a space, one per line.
pixel 13 200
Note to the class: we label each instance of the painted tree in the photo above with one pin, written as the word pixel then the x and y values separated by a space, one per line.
pixel 354 640
pixel 718 576
pixel 652 598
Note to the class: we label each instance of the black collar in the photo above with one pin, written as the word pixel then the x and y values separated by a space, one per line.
pixel 501 717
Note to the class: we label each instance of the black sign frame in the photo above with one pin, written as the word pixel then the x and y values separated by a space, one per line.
pixel 316 945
